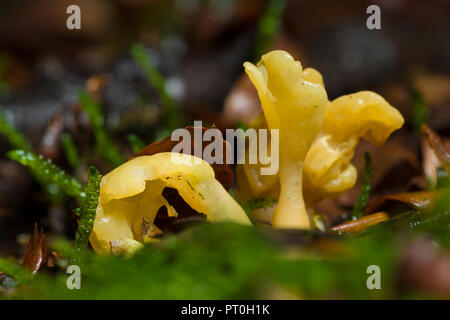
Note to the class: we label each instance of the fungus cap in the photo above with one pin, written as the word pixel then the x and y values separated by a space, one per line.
pixel 131 195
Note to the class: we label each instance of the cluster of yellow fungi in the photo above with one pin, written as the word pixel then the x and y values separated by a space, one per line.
pixel 317 137
pixel 317 142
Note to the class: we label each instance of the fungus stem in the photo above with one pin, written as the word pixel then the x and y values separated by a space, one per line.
pixel 291 211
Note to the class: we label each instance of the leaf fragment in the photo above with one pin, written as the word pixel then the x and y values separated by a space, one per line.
pixel 441 149
pixel 37 254
pixel 360 224
pixel 422 201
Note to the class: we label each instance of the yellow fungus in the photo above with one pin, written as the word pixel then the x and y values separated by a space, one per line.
pixel 328 167
pixel 324 157
pixel 131 195
pixel 296 108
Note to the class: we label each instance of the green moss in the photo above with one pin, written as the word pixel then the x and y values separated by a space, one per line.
pixel 137 144
pixel 226 261
pixel 49 174
pixel 268 26
pixel 363 197
pixel 172 111
pixel 87 214
pixel 419 111
pixel 15 138
pixel 70 151
pixel 14 270
pixel 108 151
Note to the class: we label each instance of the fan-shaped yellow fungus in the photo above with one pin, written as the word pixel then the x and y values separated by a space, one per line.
pixel 327 164
pixel 328 167
pixel 131 195
pixel 296 107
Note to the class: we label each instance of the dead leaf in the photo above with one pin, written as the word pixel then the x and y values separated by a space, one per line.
pixel 50 142
pixel 430 162
pixel 388 206
pixel 440 147
pixel 396 203
pixel 223 173
pixel 37 254
pixel 358 225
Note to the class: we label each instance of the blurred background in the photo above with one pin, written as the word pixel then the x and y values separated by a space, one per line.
pixel 199 46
